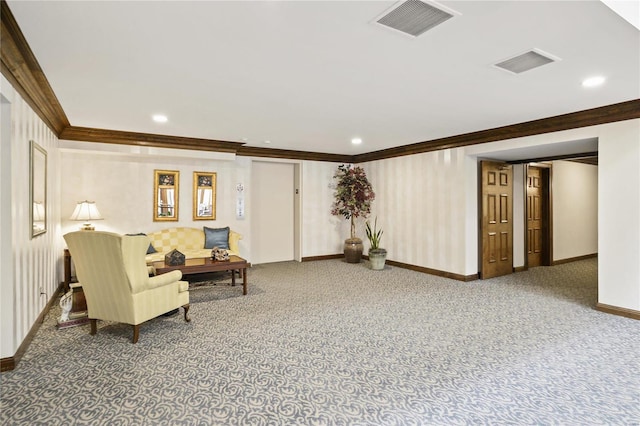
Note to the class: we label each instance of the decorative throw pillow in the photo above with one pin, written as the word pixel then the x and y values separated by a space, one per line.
pixel 216 237
pixel 151 249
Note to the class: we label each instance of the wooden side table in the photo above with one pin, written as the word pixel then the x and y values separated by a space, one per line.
pixel 78 314
pixel 67 270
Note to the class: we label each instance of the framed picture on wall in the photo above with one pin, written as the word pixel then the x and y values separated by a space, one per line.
pixel 38 189
pixel 204 196
pixel 166 195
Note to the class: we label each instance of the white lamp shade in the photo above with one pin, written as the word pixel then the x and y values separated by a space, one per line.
pixel 86 210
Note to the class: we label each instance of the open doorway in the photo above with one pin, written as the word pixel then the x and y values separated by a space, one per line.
pixel 535 241
pixel 538 218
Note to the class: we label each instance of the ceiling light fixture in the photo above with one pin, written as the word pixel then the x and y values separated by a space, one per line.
pixel 356 141
pixel 159 118
pixel 267 142
pixel 593 81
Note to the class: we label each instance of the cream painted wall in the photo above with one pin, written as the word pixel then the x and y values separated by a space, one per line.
pixel 575 209
pixel 7 288
pixel 122 187
pixel 37 262
pixel 121 183
pixel 421 206
pixel 120 180
pixel 322 233
pixel 619 215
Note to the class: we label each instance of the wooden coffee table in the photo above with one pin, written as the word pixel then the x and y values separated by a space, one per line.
pixel 206 264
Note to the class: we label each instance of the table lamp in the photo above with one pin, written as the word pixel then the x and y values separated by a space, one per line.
pixel 86 211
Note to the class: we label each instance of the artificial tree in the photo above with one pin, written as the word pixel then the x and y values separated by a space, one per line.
pixel 353 199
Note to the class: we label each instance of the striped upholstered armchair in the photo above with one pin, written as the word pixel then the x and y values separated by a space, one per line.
pixel 113 273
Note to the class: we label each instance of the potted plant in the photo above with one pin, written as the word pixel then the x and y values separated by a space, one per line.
pixel 377 255
pixel 353 199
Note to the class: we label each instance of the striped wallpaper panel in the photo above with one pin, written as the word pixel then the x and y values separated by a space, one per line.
pixel 36 263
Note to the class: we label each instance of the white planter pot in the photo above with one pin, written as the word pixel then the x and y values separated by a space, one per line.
pixel 377 257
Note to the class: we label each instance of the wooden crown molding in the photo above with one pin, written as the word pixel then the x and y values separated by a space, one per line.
pixel 607 114
pixel 248 151
pixel 87 134
pixel 592 161
pixel 19 65
pixel 568 157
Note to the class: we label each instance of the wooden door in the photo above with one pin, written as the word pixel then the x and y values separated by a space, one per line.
pixel 539 241
pixel 497 219
pixel 535 208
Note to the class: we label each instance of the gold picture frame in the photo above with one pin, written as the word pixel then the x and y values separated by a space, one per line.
pixel 166 195
pixel 38 189
pixel 204 195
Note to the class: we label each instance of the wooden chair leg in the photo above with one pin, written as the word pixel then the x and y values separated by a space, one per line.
pixel 186 313
pixel 136 333
pixel 94 326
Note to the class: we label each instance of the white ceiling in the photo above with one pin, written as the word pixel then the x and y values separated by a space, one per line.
pixel 311 75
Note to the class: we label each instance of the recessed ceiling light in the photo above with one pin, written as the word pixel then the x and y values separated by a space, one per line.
pixel 267 142
pixel 159 118
pixel 356 141
pixel 593 81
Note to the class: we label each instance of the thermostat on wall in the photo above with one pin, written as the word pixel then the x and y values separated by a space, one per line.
pixel 240 201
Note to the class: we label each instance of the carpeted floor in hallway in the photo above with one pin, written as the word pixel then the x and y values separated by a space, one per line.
pixel 331 343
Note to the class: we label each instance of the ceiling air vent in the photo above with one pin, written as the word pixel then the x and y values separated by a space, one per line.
pixel 526 61
pixel 414 17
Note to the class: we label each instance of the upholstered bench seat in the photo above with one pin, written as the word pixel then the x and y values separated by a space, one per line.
pixel 188 241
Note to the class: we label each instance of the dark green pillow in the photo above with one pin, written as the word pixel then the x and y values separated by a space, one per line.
pixel 216 237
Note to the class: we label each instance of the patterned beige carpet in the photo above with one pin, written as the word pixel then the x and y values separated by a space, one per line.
pixel 330 343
